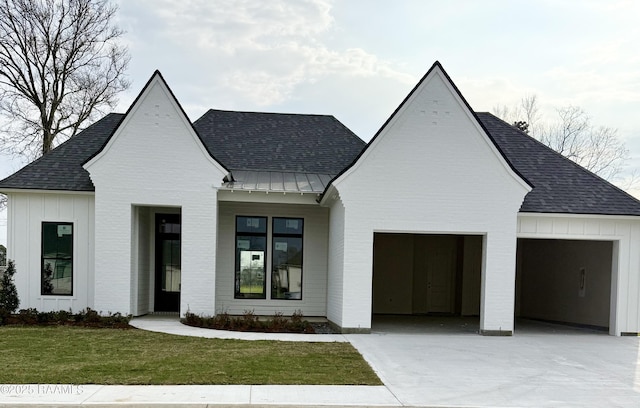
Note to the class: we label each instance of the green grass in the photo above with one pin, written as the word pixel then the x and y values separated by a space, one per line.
pixel 74 355
pixel 256 289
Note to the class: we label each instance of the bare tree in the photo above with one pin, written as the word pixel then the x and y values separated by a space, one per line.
pixel 524 114
pixel 598 149
pixel 61 62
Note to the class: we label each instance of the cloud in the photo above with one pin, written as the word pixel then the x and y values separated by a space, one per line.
pixel 261 52
pixel 286 67
pixel 232 25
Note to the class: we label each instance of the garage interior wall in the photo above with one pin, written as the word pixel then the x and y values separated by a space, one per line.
pixel 426 274
pixel 564 280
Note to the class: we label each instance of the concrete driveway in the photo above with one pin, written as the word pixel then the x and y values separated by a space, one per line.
pixel 442 362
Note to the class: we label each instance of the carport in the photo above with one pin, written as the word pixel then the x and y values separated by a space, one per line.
pixel 565 281
pixel 426 274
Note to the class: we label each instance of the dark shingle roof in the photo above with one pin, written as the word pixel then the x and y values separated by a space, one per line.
pixel 279 142
pixel 239 140
pixel 560 185
pixel 61 169
pixel 272 142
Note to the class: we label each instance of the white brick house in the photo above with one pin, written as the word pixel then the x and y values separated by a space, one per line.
pixel 445 211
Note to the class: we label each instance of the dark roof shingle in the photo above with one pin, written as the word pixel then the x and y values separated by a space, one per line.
pixel 278 141
pixel 239 140
pixel 274 142
pixel 560 185
pixel 61 169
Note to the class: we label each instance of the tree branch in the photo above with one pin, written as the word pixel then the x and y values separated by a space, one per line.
pixel 60 63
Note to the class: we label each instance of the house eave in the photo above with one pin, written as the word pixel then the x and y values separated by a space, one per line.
pixel 267 196
pixel 579 215
pixel 45 191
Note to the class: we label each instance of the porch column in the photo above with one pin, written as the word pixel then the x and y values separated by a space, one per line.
pixel 199 246
pixel 498 284
pixel 112 255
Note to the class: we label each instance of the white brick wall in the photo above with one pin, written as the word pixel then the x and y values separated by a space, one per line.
pixel 431 170
pixel 154 159
pixel 314 275
pixel 336 262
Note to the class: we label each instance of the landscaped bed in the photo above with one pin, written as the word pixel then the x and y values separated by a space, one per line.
pixel 78 355
pixel 249 321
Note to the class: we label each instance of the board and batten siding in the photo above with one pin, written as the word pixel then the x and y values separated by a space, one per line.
pixel 624 232
pixel 26 213
pixel 314 269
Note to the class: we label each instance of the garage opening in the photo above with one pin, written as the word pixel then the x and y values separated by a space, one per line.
pixel 432 275
pixel 564 281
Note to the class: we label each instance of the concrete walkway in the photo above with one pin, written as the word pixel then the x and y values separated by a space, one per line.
pixel 193 395
pixel 172 325
pixel 422 361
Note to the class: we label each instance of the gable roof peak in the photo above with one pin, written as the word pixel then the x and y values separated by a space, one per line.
pixel 435 67
pixel 157 75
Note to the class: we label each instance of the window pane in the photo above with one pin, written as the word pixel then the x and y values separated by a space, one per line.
pixel 287 226
pixel 57 258
pixel 257 225
pixel 250 266
pixel 286 274
pixel 171 265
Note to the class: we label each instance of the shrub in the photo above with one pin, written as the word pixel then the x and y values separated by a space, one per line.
pixel 90 316
pixel 9 300
pixel 27 316
pixel 278 322
pixel 221 321
pixel 46 317
pixel 87 317
pixel 249 321
pixel 63 316
pixel 298 323
pixel 192 319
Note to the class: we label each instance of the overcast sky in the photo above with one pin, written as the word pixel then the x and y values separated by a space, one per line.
pixel 357 59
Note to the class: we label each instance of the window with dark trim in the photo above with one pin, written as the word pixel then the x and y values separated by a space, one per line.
pixel 286 271
pixel 57 259
pixel 251 257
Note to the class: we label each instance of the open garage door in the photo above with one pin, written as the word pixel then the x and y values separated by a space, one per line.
pixel 426 274
pixel 564 281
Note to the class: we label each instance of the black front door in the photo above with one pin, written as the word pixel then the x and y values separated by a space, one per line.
pixel 167 293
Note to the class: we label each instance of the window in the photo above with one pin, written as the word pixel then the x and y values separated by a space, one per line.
pixel 251 254
pixel 57 258
pixel 286 271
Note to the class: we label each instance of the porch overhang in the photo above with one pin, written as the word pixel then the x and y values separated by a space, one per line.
pixel 277 182
pixel 273 186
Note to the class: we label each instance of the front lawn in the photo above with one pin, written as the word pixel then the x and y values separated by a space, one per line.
pixel 74 355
